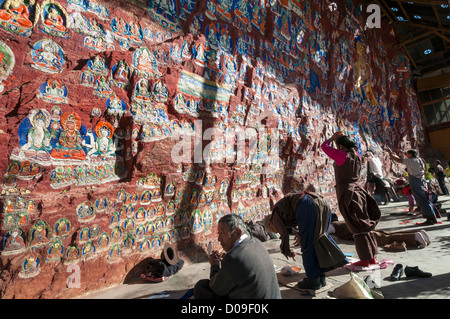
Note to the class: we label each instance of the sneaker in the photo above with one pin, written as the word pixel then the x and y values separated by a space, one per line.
pixel 416 272
pixel 306 283
pixel 397 272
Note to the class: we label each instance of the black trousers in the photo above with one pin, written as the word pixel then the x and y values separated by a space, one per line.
pixel 203 291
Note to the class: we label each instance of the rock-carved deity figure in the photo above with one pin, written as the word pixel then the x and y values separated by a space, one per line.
pixel 69 145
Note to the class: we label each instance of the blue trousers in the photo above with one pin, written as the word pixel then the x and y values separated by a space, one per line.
pixel 306 221
pixel 443 186
pixel 421 197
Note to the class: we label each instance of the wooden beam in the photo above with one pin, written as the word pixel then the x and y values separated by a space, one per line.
pixel 432 35
pixel 438 81
pixel 437 15
pixel 403 10
pixel 384 11
pixel 431 57
pixel 428 2
pixel 426 26
pixel 443 37
pixel 390 10
pixel 420 36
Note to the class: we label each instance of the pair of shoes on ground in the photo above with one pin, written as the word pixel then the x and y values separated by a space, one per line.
pixel 312 283
pixel 414 271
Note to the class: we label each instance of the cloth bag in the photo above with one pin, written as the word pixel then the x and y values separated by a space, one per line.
pixel 355 288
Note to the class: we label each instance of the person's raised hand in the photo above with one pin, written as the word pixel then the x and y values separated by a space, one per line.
pixel 215 258
pixel 291 254
pixel 336 135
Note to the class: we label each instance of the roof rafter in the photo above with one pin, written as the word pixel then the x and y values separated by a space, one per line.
pixel 443 37
pixel 425 26
pixel 418 37
pixel 409 56
pixel 403 10
pixel 427 2
pixel 437 15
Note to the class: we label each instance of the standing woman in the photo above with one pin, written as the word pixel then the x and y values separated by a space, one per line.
pixel 359 209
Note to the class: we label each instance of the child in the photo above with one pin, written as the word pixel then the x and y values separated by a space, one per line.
pixel 403 188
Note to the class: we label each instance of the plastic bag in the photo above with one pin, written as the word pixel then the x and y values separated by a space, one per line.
pixel 287 271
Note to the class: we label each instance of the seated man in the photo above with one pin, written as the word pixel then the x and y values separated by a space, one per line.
pixel 244 271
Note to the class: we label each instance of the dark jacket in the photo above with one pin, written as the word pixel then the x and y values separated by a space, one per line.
pixel 359 209
pixel 246 272
pixel 440 175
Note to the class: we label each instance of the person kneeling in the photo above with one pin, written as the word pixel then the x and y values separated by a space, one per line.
pixel 310 212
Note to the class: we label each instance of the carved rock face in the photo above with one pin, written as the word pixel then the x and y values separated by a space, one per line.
pixel 125 127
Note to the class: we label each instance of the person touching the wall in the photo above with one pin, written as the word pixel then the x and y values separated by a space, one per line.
pixel 416 177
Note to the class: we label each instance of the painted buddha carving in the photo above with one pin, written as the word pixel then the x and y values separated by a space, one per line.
pixel 145 63
pixel 13 242
pixel 47 56
pixel 97 65
pixel 142 92
pixel 104 144
pixel 121 73
pixel 38 136
pixel 54 20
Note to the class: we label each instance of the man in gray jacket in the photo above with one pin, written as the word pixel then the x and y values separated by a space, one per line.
pixel 244 271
